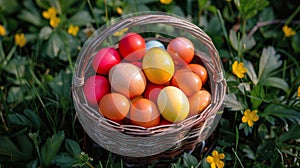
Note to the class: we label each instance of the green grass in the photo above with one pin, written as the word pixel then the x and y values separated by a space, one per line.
pixel 39 127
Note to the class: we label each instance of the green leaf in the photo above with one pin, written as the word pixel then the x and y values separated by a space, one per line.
pixel 292 133
pixel 81 18
pixel 72 147
pixel 19 119
pixel 296 42
pixel 61 84
pixel 202 3
pixel 9 6
pixel 257 94
pixel 29 119
pixel 281 112
pixel 65 160
pixel 269 61
pixel 22 150
pixel 33 117
pixel 55 44
pixel 30 17
pixel 177 11
pixel 45 33
pixel 233 39
pixel 248 43
pixel 50 149
pixel 250 71
pixel 275 82
pixel 189 160
pixel 232 103
pixel 248 151
pixel 248 8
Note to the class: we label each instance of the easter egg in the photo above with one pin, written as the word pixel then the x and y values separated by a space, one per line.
pixel 158 65
pixel 173 104
pixel 187 81
pixel 154 43
pixel 127 79
pixel 152 90
pixel 181 49
pixel 94 88
pixel 114 106
pixel 105 59
pixel 199 101
pixel 144 113
pixel 132 46
pixel 200 71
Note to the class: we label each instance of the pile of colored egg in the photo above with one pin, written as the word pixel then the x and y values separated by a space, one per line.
pixel 147 83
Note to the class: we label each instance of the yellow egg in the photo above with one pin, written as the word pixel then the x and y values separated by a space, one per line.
pixel 173 104
pixel 158 65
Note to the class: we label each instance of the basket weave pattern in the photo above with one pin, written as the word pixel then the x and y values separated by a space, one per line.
pixel 131 140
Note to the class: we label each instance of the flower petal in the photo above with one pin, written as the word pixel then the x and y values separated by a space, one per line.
pixel 244 119
pixel 215 153
pixel 220 164
pixel 209 159
pixel 250 123
pixel 255 118
pixel 221 156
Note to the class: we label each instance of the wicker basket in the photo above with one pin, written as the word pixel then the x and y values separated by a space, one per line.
pixel 135 143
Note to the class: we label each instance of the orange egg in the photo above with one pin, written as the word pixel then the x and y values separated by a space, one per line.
pixel 173 104
pixel 144 113
pixel 127 79
pixel 180 49
pixel 114 106
pixel 199 101
pixel 158 65
pixel 200 71
pixel 189 82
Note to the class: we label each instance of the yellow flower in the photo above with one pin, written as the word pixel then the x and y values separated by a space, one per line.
pixel 166 2
pixel 54 21
pixel 298 94
pixel 2 30
pixel 50 13
pixel 250 117
pixel 73 30
pixel 215 160
pixel 119 10
pixel 238 69
pixel 20 40
pixel 288 32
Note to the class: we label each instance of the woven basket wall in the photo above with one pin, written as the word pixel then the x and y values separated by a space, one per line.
pixel 160 142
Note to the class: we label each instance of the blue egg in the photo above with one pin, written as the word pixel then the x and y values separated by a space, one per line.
pixel 154 43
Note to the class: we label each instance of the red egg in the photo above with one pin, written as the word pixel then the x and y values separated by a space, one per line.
pixel 187 81
pixel 105 59
pixel 132 46
pixel 181 49
pixel 152 91
pixel 144 113
pixel 127 79
pixel 95 88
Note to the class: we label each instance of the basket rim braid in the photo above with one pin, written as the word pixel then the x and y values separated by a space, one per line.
pixel 159 141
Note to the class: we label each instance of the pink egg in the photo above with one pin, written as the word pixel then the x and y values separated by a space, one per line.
pixel 95 88
pixel 105 59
